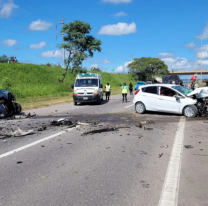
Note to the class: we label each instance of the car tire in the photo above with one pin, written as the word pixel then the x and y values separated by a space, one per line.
pixel 140 108
pixel 190 111
pixel 75 103
pixel 99 101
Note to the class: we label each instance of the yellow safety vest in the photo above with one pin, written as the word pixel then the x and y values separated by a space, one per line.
pixel 124 90
pixel 108 87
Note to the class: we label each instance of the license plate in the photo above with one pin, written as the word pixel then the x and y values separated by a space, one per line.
pixel 85 98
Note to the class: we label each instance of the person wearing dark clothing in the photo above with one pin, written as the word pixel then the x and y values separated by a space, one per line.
pixel 131 88
pixel 180 83
pixel 206 82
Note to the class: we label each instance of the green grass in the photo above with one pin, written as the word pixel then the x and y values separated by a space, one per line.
pixel 32 83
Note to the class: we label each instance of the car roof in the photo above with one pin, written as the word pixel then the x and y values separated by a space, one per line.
pixel 159 85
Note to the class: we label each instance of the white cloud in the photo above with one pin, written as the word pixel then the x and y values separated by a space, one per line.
pixel 120 14
pixel 205 32
pixel 118 29
pixel 117 1
pixel 7 8
pixel 9 42
pixel 204 52
pixel 39 25
pixel 174 62
pixel 52 54
pixel 204 63
pixel 123 69
pixel 38 46
pixel 94 66
pixel 105 61
pixel 191 45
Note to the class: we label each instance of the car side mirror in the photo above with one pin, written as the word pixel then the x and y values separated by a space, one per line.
pixel 177 97
pixel 72 86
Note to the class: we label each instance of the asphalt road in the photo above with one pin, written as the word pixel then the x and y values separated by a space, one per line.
pixel 130 166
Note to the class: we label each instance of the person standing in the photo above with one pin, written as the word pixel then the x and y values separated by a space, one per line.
pixel 124 92
pixel 107 91
pixel 194 84
pixel 180 83
pixel 131 88
pixel 206 82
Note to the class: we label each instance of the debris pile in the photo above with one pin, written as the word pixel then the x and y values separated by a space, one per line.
pixel 17 133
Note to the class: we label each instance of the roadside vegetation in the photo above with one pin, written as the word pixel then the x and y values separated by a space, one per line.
pixel 38 85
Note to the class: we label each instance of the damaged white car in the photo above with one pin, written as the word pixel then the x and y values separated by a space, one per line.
pixel 171 99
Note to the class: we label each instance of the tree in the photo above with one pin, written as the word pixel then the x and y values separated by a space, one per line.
pixel 94 69
pixel 4 59
pixel 79 45
pixel 146 68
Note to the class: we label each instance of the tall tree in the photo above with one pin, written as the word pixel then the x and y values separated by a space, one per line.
pixel 146 68
pixel 79 45
pixel 4 59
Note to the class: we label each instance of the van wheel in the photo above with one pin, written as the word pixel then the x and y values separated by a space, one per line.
pixel 190 111
pixel 140 108
pixel 75 103
pixel 99 101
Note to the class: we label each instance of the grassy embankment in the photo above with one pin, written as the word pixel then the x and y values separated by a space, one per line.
pixel 36 86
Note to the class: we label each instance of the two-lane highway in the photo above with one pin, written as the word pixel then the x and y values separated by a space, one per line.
pixel 129 167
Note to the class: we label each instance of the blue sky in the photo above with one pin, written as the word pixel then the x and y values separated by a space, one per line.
pixel 165 29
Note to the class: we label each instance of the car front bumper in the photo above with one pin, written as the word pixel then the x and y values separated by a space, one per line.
pixel 92 98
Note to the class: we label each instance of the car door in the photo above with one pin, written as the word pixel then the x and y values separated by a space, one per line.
pixel 167 101
pixel 150 97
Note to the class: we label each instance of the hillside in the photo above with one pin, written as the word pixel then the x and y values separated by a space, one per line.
pixel 30 83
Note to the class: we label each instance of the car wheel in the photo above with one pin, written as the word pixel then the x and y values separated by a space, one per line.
pixel 190 111
pixel 140 108
pixel 75 103
pixel 99 101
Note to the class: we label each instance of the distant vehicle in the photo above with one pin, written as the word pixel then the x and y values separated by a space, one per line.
pixel 169 78
pixel 88 87
pixel 171 99
pixel 139 84
pixel 148 82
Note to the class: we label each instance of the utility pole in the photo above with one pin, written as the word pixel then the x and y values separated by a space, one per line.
pixel 62 22
pixel 201 53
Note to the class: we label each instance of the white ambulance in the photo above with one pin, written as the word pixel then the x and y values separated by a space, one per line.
pixel 88 87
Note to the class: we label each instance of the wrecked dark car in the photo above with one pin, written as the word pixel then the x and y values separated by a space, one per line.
pixel 8 104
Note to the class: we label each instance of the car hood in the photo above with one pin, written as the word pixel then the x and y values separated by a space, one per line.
pixel 199 92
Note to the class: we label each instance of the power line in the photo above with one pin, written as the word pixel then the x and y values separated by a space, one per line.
pixel 22 33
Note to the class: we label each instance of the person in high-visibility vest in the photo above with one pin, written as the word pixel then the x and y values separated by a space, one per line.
pixel 124 92
pixel 107 91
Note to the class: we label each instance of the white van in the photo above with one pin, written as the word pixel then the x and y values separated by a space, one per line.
pixel 88 87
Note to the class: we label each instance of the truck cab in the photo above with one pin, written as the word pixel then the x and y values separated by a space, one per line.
pixel 88 87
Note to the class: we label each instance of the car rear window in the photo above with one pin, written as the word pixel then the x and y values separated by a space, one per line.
pixel 151 90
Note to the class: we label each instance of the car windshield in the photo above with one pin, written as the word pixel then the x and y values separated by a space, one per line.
pixel 182 90
pixel 86 83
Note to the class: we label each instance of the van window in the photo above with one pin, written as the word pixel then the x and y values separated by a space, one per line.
pixel 151 90
pixel 86 83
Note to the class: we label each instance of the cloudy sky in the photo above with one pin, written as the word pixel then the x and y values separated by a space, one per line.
pixel 127 28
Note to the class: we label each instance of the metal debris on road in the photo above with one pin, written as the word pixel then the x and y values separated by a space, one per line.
pixel 29 115
pixel 107 129
pixel 83 123
pixel 160 155
pixel 1 197
pixel 61 122
pixel 166 146
pixel 17 133
pixel 147 128
pixel 139 125
pixel 41 128
pixel 188 146
pixel 19 162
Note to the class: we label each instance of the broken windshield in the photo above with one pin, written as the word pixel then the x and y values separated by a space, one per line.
pixel 86 83
pixel 182 90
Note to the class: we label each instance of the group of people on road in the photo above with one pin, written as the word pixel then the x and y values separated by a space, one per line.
pixel 108 89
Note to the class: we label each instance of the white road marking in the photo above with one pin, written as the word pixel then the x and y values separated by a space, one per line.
pixel 130 105
pixel 169 194
pixel 34 143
